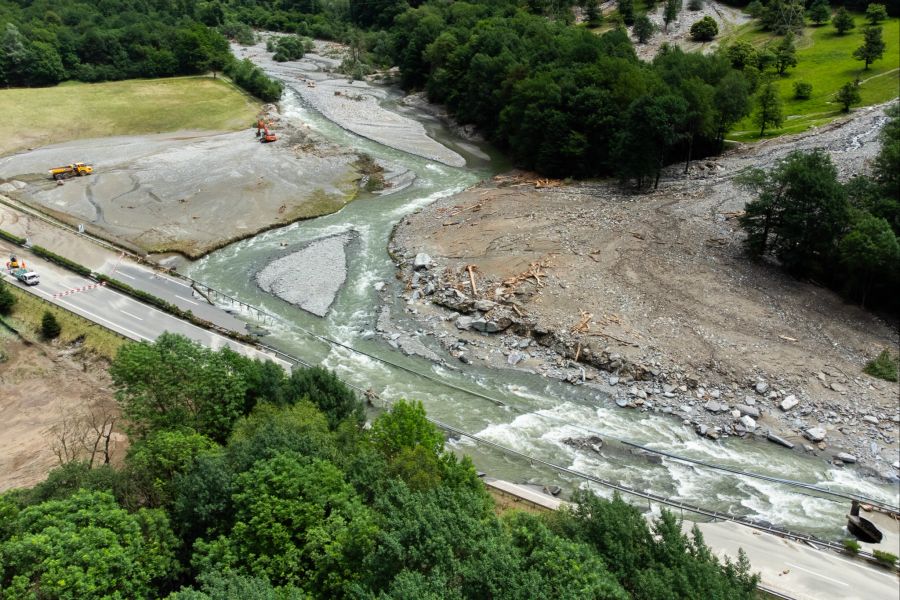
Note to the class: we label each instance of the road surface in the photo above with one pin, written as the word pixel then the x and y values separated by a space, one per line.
pixel 124 315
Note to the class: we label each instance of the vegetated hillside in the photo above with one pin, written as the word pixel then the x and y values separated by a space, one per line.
pixel 49 115
pixel 825 61
pixel 48 42
pixel 241 481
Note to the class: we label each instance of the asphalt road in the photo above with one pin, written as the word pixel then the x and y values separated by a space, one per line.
pixel 798 571
pixel 125 315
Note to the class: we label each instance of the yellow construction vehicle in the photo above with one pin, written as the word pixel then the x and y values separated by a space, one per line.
pixel 73 170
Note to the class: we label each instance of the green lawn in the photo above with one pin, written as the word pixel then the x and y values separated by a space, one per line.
pixel 35 117
pixel 825 60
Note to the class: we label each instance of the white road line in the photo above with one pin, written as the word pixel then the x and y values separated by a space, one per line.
pixel 818 575
pixel 857 565
pixel 131 315
pixel 123 274
pixel 186 300
pixel 113 326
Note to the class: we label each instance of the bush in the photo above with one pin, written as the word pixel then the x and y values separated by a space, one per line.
pixel 802 90
pixel 704 30
pixel 884 366
pixel 851 546
pixel 291 47
pixel 61 261
pixel 50 328
pixel 12 238
pixel 885 558
pixel 7 300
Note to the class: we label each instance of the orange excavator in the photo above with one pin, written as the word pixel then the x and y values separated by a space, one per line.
pixel 262 132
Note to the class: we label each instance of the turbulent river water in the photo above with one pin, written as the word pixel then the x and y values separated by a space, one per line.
pixel 536 414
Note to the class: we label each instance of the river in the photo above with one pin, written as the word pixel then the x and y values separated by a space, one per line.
pixel 534 414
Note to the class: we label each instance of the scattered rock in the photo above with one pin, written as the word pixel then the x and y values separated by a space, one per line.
pixel 762 387
pixel 613 380
pixel 870 419
pixel 591 442
pixel 839 388
pixel 748 422
pixel 712 406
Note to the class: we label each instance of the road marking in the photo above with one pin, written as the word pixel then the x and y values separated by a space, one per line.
pixel 114 326
pixel 872 571
pixel 818 575
pixel 186 300
pixel 131 315
pixel 120 273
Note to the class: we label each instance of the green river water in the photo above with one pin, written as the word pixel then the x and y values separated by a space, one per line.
pixel 537 413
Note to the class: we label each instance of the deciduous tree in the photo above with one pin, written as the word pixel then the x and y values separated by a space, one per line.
pixel 768 108
pixel 843 21
pixel 848 95
pixel 785 54
pixel 873 46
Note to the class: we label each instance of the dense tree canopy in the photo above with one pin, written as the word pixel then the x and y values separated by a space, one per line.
pixel 844 235
pixel 289 507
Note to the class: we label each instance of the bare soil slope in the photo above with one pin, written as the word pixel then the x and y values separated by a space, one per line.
pixel 41 389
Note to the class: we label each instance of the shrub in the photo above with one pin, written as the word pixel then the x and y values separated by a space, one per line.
pixel 851 546
pixel 884 366
pixel 50 328
pixel 704 30
pixel 7 300
pixel 12 238
pixel 885 558
pixel 802 90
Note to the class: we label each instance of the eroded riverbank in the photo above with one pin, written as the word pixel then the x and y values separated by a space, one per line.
pixel 648 298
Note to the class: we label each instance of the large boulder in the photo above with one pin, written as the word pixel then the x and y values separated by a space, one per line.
pixel 815 434
pixel 789 403
pixel 421 261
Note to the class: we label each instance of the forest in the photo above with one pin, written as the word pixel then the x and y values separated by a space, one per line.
pixel 243 482
pixel 843 235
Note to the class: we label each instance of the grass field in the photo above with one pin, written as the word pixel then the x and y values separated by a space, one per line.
pixel 27 314
pixel 35 117
pixel 825 60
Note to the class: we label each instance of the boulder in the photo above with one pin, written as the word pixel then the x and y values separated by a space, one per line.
pixel 838 388
pixel 6 188
pixel 712 406
pixel 515 358
pixel 870 419
pixel 591 442
pixel 845 458
pixel 779 440
pixel 762 387
pixel 815 434
pixel 421 261
pixel 745 409
pixel 789 403
pixel 748 422
pixel 484 305
pixel 464 323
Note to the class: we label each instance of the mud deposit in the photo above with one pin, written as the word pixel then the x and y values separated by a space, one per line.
pixel 188 192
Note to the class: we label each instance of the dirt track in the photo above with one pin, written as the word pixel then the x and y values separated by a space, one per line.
pixel 667 287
